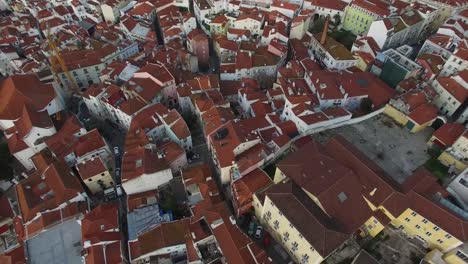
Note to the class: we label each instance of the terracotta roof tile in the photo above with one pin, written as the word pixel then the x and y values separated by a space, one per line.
pixel 448 133
pixel 19 90
pixel 93 167
pixel 454 88
pixel 37 193
pixel 139 161
pixel 244 188
pixel 323 234
pixel 101 224
pixel 424 113
pixel 89 142
pixel 165 235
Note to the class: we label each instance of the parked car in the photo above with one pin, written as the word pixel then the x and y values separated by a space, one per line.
pixel 281 252
pixel 258 232
pixel 109 194
pixel 119 190
pixel 116 151
pixel 251 229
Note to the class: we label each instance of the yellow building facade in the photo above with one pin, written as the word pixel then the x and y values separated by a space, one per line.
pixel 448 160
pixel 219 28
pixel 403 119
pixel 396 115
pixel 456 256
pixel 402 213
pixel 433 236
pixel 286 234
pixel 99 182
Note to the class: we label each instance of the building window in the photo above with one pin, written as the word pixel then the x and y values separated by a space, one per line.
pixel 305 259
pixel 440 241
pixel 407 219
pixel 295 245
pixel 285 237
pixel 428 234
pixel 448 236
pixel 276 225
pixel 436 228
pixel 462 255
pixel 417 226
pixel 414 214
pixel 424 221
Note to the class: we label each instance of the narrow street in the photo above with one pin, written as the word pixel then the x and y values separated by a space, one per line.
pixel 200 147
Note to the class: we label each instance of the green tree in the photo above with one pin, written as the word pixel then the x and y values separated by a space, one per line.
pixel 366 105
pixel 317 26
pixel 337 19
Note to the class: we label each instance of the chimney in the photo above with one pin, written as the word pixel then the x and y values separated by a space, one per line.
pixel 325 31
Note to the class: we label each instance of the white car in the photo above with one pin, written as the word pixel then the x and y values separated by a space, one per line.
pixel 258 232
pixel 116 151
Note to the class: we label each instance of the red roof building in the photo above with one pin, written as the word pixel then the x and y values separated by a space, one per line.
pixel 143 170
pixel 447 134
pixel 19 90
pixel 244 188
pixel 48 190
pixel 101 237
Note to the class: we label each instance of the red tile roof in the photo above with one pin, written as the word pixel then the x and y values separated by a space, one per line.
pixel 165 235
pixel 285 5
pixel 454 88
pixel 46 190
pixel 314 118
pixel 336 112
pixel 30 119
pixel 424 113
pixel 377 7
pixel 101 225
pixel 414 99
pixel 142 9
pixel 220 19
pixel 334 4
pixel 93 167
pixel 15 256
pixel 172 151
pixel 232 241
pixel 244 188
pixel 215 117
pixel 63 141
pixel 448 133
pixel 139 161
pixel 238 132
pixel 321 232
pixel 318 172
pixel 160 72
pixel 89 142
pixel 19 90
pixel 109 253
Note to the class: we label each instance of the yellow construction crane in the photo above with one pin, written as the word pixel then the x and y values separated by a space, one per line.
pixel 62 64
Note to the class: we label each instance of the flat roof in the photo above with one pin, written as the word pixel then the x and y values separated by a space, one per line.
pixel 58 245
pixel 143 219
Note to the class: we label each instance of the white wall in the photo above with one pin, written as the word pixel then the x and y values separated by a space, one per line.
pixel 459 186
pixel 147 182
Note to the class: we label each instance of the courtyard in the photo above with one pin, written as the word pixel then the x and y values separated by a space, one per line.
pixel 397 151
